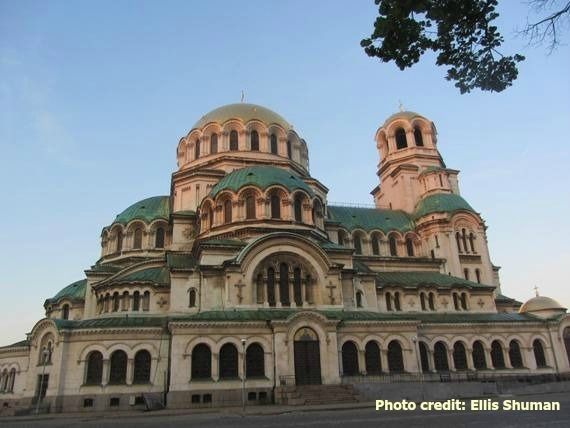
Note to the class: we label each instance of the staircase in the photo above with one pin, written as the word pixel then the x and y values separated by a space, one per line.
pixel 316 394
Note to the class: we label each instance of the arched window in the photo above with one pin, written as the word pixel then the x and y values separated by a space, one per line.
pixel 375 245
pixel 472 242
pixel 393 246
pixel 234 141
pixel 136 301
pixel 137 241
pixel 410 247
pixel 459 356
pixel 341 237
pixel 298 208
pixel 397 301
pixel 259 288
pixel 497 357
pixel 159 238
pixel 372 358
pixel 431 301
pixel 284 284
pixel 539 353
pixel 197 149
pixel 94 372
pixel 254 361
pixel 297 292
pixel 213 144
pixel 395 357
pixel 125 301
pixel 418 137
pixel 515 356
pixel 254 141
pixel 201 362
pixel 440 357
pixel 464 301
pixel 289 150
pixel 423 301
pixel 250 207
pixel 274 148
pixel 192 298
pixel 271 286
pixel 12 380
pixel 275 206
pixel 116 301
pixel 119 241
pixel 424 360
pixel 479 360
pixel 65 312
pixel 142 367
pixel 357 240
pixel 227 211
pixel 349 359
pixel 210 217
pixel 458 240
pixel 388 301
pixel 464 240
pixel 455 301
pixel 228 362
pixel 3 380
pixel 478 275
pixel 401 142
pixel 146 301
pixel 359 299
pixel 466 273
pixel 118 371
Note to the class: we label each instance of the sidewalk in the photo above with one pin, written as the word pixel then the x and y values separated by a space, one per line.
pixel 260 410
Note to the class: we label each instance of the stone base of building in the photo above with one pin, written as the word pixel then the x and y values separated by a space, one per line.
pixel 218 398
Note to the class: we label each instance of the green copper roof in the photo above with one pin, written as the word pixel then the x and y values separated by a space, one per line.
pixel 419 279
pixel 245 112
pixel 501 298
pixel 147 210
pixel 181 261
pixel 154 275
pixel 110 322
pixel 442 202
pixel 261 177
pixel 75 291
pixel 370 219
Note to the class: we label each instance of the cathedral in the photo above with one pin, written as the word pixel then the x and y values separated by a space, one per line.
pixel 245 284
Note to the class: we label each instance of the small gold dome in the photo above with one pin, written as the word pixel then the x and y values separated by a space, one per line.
pixel 541 303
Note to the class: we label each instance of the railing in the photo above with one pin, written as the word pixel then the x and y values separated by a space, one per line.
pixel 287 380
pixel 456 377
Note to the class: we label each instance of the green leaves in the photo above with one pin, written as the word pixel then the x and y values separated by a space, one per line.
pixel 459 31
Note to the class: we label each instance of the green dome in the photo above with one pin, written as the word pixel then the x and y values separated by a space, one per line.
pixel 261 177
pixel 75 291
pixel 147 210
pixel 245 112
pixel 442 202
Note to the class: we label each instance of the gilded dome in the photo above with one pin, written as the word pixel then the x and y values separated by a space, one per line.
pixel 541 303
pixel 244 112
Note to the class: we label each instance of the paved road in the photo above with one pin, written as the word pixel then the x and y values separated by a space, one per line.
pixel 357 418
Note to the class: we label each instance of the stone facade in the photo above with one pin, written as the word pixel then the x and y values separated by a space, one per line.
pixel 244 278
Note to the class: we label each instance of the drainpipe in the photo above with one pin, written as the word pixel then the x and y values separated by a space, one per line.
pixel 274 361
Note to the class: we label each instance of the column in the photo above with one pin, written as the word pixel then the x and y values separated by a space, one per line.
pixel 431 361
pixel 488 361
pixel 215 367
pixel 361 362
pixel 470 363
pixel 265 293
pixel 106 367
pixel 451 361
pixel 304 296
pixel 130 371
pixel 384 360
pixel 277 290
pixel 507 358
pixel 291 285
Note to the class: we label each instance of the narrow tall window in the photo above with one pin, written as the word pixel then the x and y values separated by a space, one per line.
pixel 250 207
pixel 515 356
pixel 538 351
pixel 119 241
pixel 94 372
pixel 116 301
pixel 137 241
pixel 228 362
pixel 423 301
pixel 298 208
pixel 359 299
pixel 197 149
pixel 259 288
pixel 397 301
pixel 159 238
pixel 440 357
pixel 297 292
pixel 497 357
pixel 284 284
pixel 201 362
pixel 349 359
pixel 227 211
pixel 289 150
pixel 254 361
pixel 375 245
pixel 192 298
pixel 401 142
pixel 466 273
pixel 254 141
pixel 472 242
pixel 455 301
pixel 213 144
pixel 274 148
pixel 410 247
pixel 458 240
pixel 464 240
pixel 65 312
pixel 479 360
pixel 459 356
pixel 146 301
pixel 431 301
pixel 118 371
pixel 395 357
pixel 372 358
pixel 424 359
pixel 141 373
pixel 234 141
pixel 478 275
pixel 388 301
pixel 418 137
pixel 393 246
pixel 136 301
pixel 271 286
pixel 275 206
pixel 464 301
pixel 357 243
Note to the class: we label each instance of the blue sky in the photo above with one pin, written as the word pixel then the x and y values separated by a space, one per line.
pixel 94 97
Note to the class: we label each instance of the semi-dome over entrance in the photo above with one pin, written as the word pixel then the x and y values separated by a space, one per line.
pixel 244 112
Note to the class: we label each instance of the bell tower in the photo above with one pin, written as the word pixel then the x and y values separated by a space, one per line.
pixel 407 146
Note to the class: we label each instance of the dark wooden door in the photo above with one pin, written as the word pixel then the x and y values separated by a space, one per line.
pixel 307 362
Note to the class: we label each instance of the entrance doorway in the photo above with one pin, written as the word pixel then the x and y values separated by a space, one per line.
pixel 307 357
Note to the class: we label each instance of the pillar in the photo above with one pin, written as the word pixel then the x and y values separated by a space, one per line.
pixel 130 371
pixel 361 362
pixel 470 362
pixel 215 367
pixel 106 368
pixel 384 360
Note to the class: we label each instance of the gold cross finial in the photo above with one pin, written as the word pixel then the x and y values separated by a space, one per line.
pixel 536 290
pixel 401 106
pixel 242 95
